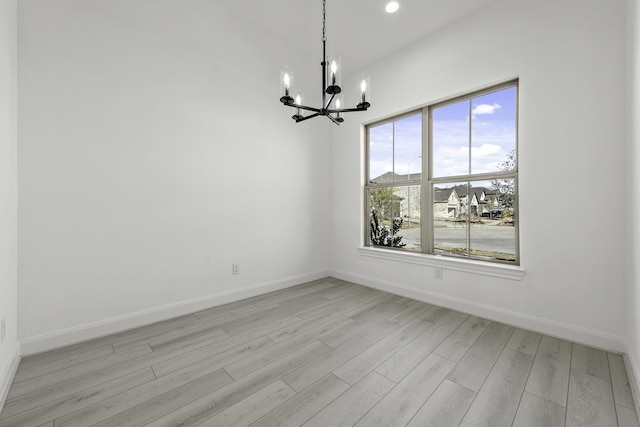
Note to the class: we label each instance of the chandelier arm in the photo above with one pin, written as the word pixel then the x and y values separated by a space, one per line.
pixel 333 119
pixel 304 107
pixel 326 106
pixel 346 110
pixel 302 119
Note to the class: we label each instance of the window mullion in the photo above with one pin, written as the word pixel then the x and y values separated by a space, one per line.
pixel 426 196
pixel 469 186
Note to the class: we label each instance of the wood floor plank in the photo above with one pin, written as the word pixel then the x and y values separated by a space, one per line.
pixel 365 362
pixel 457 344
pixel 353 403
pixel 341 291
pixel 626 417
pixel 243 367
pixel 229 345
pixel 376 306
pixel 590 401
pixel 219 314
pixel 406 398
pixel 123 341
pixel 239 326
pixel 203 408
pixel 331 308
pixel 590 361
pixel 69 386
pixel 253 407
pixel 288 294
pixel 309 326
pixel 549 378
pixel 297 410
pixel 360 324
pixel 535 412
pixel 411 312
pixel 446 406
pixel 497 401
pixel 524 341
pixel 58 408
pixel 25 387
pixel 210 333
pixel 139 395
pixel 125 336
pixel 307 301
pixel 172 400
pixel 311 372
pixel 476 364
pixel 27 373
pixel 407 358
pixel 434 314
pixel 620 381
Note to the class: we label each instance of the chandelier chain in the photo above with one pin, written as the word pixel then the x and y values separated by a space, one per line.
pixel 324 5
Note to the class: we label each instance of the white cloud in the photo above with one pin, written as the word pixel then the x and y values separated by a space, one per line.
pixel 487 150
pixel 485 109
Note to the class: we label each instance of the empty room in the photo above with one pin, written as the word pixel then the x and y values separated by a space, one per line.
pixel 319 213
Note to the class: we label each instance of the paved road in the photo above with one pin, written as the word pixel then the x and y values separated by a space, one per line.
pixel 494 238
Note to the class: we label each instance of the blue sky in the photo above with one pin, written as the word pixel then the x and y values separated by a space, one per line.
pixel 493 136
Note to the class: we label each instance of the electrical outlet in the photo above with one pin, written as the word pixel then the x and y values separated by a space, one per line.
pixel 3 329
pixel 235 268
pixel 437 273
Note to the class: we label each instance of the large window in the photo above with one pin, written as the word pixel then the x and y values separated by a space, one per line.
pixel 443 180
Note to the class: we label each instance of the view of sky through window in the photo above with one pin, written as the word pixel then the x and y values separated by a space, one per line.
pixel 484 125
pixel 396 147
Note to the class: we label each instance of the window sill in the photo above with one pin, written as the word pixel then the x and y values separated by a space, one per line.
pixel 466 266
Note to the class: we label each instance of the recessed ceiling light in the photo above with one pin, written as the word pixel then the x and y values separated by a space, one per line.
pixel 392 7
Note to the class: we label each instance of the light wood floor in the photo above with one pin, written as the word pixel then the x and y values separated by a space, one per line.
pixel 327 353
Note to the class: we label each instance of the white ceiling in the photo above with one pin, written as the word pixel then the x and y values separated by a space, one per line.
pixel 360 31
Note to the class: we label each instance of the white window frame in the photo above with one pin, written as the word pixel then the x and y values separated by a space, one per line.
pixel 427 255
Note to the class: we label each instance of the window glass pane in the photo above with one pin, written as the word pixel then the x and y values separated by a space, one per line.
pixel 493 232
pixel 450 213
pixel 381 153
pixel 450 130
pixel 408 148
pixel 410 212
pixel 385 220
pixel 493 131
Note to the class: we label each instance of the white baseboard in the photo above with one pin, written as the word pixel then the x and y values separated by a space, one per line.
pixel 634 379
pixel 572 333
pixel 77 334
pixel 8 374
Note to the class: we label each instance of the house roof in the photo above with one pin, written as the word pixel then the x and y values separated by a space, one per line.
pixel 394 177
pixel 441 194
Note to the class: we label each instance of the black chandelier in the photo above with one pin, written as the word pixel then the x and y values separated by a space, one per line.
pixel 332 107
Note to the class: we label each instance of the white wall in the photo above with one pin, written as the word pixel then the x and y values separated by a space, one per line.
pixel 570 58
pixel 154 154
pixel 633 300
pixel 8 191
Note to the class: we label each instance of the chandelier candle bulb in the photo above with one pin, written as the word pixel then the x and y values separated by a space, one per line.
pixel 297 102
pixel 364 92
pixel 334 70
pixel 286 86
pixel 337 102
